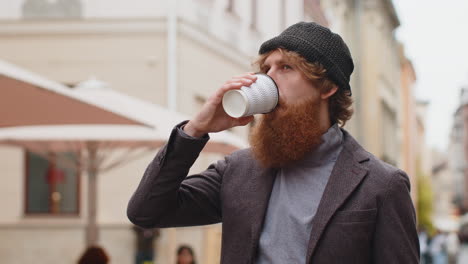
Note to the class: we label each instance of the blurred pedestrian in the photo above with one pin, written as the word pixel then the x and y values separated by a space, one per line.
pixel 94 255
pixel 438 248
pixel 424 246
pixel 145 244
pixel 453 246
pixel 185 255
pixel 463 238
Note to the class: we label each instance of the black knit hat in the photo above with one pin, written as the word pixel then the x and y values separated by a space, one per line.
pixel 316 44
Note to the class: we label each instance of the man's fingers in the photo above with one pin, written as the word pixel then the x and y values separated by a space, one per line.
pixel 244 120
pixel 249 75
pixel 230 86
pixel 244 81
pixel 218 96
pixel 234 83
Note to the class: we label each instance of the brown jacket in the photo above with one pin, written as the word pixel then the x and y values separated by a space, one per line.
pixel 365 215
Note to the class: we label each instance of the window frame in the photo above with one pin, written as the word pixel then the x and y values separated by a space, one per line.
pixel 26 194
pixel 253 14
pixel 230 7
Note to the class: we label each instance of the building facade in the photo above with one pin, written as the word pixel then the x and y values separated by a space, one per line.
pixel 368 26
pixel 409 148
pixel 458 149
pixel 174 54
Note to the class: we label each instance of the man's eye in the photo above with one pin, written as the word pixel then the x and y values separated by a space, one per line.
pixel 287 67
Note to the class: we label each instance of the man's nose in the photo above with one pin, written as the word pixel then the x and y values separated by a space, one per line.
pixel 272 73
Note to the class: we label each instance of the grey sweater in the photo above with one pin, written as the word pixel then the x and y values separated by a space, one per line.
pixel 296 194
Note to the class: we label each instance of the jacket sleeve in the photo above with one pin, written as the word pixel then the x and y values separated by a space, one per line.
pixel 395 237
pixel 166 197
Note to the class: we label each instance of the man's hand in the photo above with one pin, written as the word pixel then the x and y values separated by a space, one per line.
pixel 212 117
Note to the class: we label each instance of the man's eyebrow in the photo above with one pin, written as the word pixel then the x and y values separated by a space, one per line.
pixel 285 61
pixel 281 61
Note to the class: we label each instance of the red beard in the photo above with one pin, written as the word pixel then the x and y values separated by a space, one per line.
pixel 287 134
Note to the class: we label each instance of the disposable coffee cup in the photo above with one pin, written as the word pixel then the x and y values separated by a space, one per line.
pixel 259 98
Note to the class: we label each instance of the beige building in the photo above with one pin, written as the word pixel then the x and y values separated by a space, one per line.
pixel 171 53
pixel 409 145
pixel 175 54
pixel 387 121
pixel 368 26
pixel 458 149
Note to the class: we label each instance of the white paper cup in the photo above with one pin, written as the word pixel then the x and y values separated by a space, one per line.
pixel 259 98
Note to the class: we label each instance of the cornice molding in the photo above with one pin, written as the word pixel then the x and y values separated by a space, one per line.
pixel 87 26
pixel 216 45
pixel 25 28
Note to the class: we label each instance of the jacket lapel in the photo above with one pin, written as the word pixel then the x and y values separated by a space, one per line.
pixel 262 187
pixel 345 177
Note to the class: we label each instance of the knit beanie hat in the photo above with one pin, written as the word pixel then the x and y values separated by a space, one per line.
pixel 316 44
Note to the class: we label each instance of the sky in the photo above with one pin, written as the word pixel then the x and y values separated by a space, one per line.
pixel 435 35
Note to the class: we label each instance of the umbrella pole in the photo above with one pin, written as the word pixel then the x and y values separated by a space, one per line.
pixel 92 232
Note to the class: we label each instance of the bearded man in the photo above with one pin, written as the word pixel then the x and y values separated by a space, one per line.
pixel 306 191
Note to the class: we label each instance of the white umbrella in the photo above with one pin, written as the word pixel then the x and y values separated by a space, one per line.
pixel 62 138
pixel 30 99
pixel 154 115
pixel 95 147
pixel 43 116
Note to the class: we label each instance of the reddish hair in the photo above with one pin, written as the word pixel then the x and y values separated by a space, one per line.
pixel 339 103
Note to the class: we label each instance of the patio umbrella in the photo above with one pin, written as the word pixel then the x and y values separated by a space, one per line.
pixel 30 99
pixel 162 119
pixel 98 148
pixel 127 123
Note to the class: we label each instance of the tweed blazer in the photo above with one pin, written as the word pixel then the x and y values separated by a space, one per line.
pixel 365 215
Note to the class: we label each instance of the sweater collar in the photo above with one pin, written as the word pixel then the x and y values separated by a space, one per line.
pixel 327 151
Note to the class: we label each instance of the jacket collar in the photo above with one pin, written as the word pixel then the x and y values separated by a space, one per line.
pixel 348 172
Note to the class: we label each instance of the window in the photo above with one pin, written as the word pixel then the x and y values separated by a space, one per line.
pixel 253 15
pixel 230 6
pixel 51 188
pixel 45 9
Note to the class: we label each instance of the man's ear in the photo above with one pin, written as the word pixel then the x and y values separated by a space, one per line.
pixel 332 91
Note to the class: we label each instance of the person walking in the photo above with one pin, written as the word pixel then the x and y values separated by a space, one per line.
pixel 438 248
pixel 185 255
pixel 462 257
